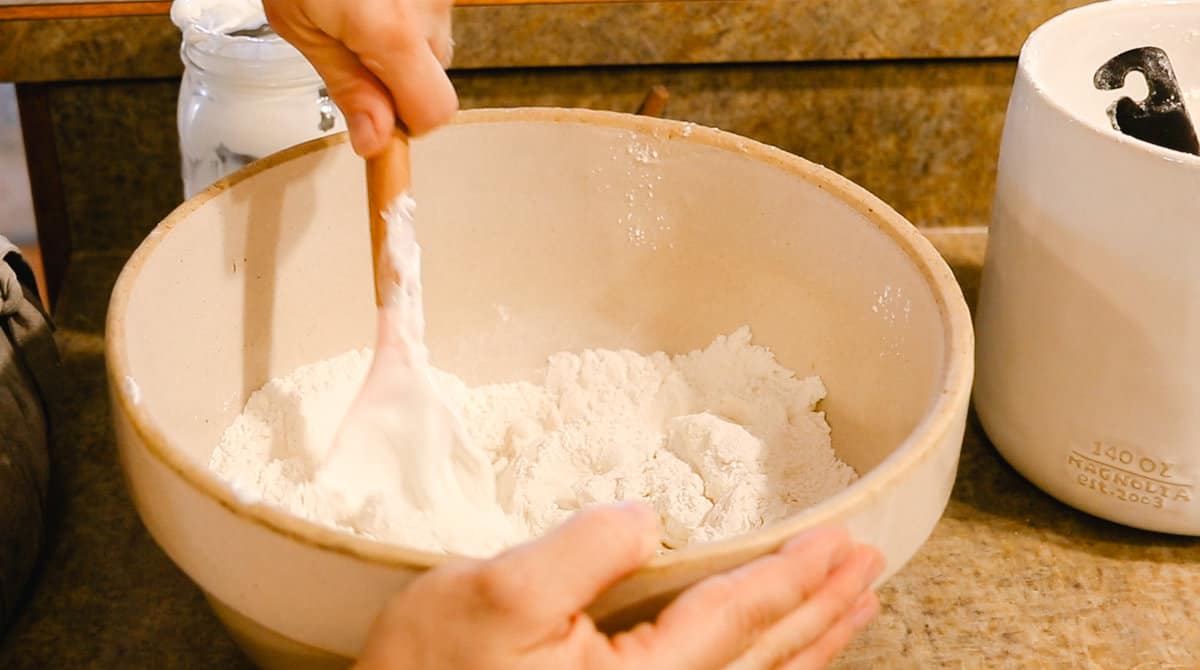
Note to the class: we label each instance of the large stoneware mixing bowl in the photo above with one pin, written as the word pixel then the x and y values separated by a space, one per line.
pixel 544 230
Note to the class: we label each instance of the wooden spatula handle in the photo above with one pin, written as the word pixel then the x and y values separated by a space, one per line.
pixel 388 176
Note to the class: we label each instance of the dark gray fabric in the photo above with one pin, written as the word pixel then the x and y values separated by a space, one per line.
pixel 29 369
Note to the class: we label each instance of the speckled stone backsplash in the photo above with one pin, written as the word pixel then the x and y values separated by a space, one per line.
pixel 905 97
pixel 119 159
pixel 921 136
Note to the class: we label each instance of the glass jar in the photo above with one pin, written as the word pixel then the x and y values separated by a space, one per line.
pixel 245 94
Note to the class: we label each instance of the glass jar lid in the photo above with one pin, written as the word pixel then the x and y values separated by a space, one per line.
pixel 232 38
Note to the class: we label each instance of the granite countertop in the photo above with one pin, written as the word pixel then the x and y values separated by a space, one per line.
pixel 1009 578
pixel 37 46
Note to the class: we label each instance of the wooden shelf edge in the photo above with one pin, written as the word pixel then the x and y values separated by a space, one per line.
pixel 83 10
pixel 96 10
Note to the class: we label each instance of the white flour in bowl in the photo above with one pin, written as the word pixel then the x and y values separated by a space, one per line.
pixel 719 441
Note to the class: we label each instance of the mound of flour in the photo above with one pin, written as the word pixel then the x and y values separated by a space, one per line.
pixel 719 441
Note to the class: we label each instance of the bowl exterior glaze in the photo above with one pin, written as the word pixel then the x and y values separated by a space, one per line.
pixel 829 277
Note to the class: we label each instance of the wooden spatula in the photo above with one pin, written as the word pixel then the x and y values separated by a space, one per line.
pixel 400 437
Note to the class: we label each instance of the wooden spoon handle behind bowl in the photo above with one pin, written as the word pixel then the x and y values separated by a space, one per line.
pixel 388 176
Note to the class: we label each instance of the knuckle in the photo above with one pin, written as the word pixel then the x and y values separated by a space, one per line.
pixel 718 592
pixel 744 602
pixel 614 525
pixel 830 605
pixel 635 644
pixel 751 615
pixel 826 607
pixel 500 588
pixel 846 587
pixel 386 34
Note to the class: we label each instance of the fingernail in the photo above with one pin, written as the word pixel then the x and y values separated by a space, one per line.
pixel 362 132
pixel 864 610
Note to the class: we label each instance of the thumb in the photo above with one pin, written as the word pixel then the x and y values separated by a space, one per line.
pixel 559 575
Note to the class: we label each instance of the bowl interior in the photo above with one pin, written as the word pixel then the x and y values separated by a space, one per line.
pixel 542 231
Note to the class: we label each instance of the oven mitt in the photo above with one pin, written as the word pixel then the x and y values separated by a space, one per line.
pixel 29 368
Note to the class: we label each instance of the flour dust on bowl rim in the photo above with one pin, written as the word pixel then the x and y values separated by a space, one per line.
pixel 544 230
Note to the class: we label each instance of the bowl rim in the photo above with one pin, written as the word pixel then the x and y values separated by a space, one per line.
pixel 940 420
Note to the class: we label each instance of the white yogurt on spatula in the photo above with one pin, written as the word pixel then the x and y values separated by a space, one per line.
pixel 402 448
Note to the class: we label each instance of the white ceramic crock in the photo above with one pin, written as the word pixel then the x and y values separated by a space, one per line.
pixel 1089 311
pixel 543 230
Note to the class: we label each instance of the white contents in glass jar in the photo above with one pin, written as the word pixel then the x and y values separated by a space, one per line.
pixel 720 441
pixel 245 92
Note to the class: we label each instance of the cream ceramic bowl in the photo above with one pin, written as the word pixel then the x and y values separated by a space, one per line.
pixel 544 230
